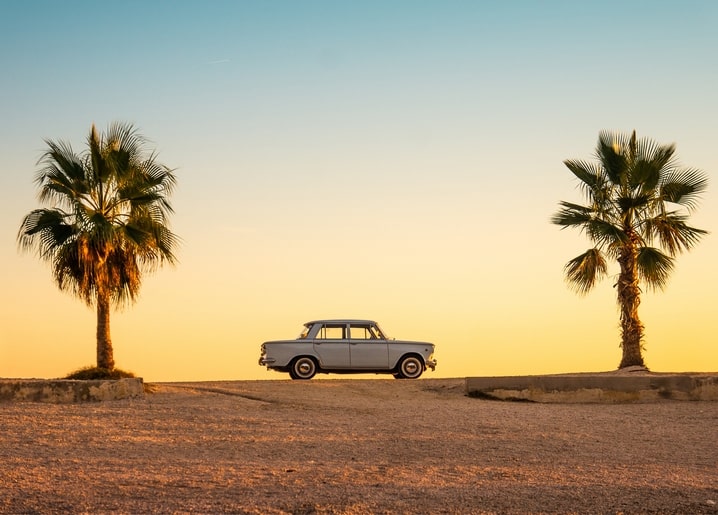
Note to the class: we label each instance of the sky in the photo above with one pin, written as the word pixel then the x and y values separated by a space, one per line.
pixel 391 160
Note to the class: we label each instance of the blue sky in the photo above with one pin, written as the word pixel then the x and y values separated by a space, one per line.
pixel 414 146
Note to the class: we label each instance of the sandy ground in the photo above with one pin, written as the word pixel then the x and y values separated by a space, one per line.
pixel 355 446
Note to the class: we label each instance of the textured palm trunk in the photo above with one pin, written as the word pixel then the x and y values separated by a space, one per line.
pixel 629 298
pixel 105 358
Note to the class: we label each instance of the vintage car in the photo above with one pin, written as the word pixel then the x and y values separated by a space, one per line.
pixel 344 347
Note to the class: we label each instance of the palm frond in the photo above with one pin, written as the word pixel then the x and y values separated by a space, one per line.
pixel 591 176
pixel 584 271
pixel 654 267
pixel 645 176
pixel 673 233
pixel 572 215
pixel 61 178
pixel 605 233
pixel 45 230
pixel 651 162
pixel 96 165
pixel 160 174
pixel 125 136
pixel 633 202
pixel 611 151
pixel 684 187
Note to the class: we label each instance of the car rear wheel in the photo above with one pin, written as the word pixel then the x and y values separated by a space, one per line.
pixel 411 367
pixel 303 368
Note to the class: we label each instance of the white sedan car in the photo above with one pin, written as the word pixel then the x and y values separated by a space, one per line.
pixel 347 346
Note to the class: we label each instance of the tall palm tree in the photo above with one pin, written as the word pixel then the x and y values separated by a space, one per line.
pixel 107 221
pixel 637 197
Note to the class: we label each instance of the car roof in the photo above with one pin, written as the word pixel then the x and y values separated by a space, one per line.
pixel 341 321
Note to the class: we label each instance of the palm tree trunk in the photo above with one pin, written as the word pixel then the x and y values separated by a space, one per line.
pixel 105 358
pixel 629 298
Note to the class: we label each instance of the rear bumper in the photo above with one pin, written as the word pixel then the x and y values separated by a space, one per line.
pixel 431 363
pixel 265 362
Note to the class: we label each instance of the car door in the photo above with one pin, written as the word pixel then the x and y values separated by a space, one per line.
pixel 332 346
pixel 368 348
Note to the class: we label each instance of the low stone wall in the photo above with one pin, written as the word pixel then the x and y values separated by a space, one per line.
pixel 599 388
pixel 68 391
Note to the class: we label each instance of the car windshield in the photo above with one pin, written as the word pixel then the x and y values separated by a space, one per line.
pixel 382 334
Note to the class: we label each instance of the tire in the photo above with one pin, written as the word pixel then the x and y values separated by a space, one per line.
pixel 303 368
pixel 410 367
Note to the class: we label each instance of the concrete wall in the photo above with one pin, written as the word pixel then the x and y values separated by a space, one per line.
pixel 68 391
pixel 605 388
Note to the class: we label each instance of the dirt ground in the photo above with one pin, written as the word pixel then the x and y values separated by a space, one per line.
pixel 355 446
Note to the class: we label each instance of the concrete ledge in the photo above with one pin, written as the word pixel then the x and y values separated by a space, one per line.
pixel 60 391
pixel 611 387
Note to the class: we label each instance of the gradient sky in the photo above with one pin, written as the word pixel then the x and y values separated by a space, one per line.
pixel 392 160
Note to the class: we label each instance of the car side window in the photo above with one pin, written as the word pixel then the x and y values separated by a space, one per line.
pixel 357 332
pixel 332 332
pixel 363 332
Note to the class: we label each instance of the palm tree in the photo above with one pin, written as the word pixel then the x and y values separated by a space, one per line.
pixel 637 197
pixel 107 221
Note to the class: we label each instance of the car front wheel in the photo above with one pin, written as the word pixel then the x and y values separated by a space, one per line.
pixel 411 367
pixel 303 368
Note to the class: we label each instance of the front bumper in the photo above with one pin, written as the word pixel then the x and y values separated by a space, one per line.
pixel 431 363
pixel 265 362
